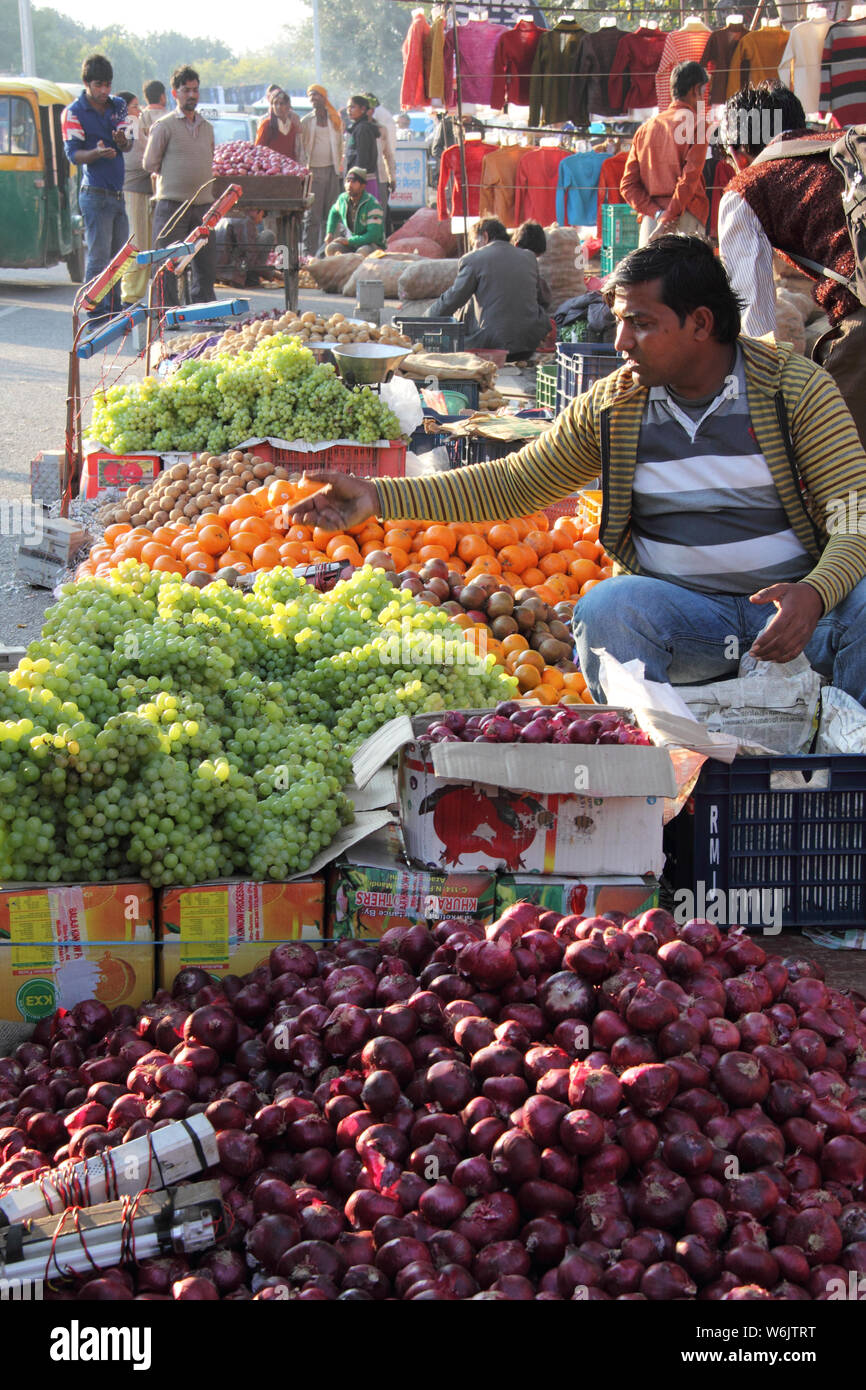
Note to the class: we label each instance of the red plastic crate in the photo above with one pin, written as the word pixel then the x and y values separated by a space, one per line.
pixel 371 460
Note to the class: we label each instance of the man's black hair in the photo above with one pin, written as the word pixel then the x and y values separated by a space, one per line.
pixel 181 76
pixel 154 91
pixel 492 228
pixel 530 236
pixel 96 68
pixel 691 276
pixel 685 77
pixel 127 96
pixel 755 115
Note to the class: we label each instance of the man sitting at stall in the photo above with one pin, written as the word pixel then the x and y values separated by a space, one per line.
pixel 356 220
pixel 499 291
pixel 243 245
pixel 727 464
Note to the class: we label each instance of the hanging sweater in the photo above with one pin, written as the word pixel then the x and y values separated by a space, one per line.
pixel 412 91
pixel 717 59
pixel 577 189
pixel 434 70
pixel 555 59
pixel 843 73
pixel 498 175
pixel 756 58
pixel 535 185
pixel 631 84
pixel 478 40
pixel 609 179
pixel 449 168
pixel 588 92
pixel 682 46
pixel 512 65
pixel 800 68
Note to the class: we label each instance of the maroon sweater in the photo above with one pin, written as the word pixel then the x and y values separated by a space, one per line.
pixel 798 202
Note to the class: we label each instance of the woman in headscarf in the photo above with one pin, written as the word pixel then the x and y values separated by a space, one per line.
pixel 362 142
pixel 280 130
pixel 322 146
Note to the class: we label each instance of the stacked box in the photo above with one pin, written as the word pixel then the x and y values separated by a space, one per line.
pixel 60 944
pixel 371 893
pixel 231 926
pixel 586 898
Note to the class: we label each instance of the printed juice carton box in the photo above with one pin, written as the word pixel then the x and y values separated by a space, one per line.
pixel 366 899
pixel 584 897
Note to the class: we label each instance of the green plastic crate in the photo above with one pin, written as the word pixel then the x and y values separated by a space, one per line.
pixel 545 385
pixel 619 226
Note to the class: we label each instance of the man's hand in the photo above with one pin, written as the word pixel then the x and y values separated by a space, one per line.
pixel 341 501
pixel 105 151
pixel 799 607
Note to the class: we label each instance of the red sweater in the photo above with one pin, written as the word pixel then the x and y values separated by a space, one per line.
pixel 512 65
pixel 632 83
pixel 535 186
pixel 609 179
pixel 798 202
pixel 476 153
pixel 283 144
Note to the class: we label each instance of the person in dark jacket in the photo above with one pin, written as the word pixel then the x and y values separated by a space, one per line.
pixel 362 142
pixel 500 288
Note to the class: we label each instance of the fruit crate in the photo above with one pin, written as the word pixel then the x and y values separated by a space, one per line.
pixel 796 825
pixel 579 366
pixel 545 385
pixel 367 460
pixel 434 335
pixel 584 506
pixel 476 449
pixel 619 227
pixel 102 470
pixel 423 441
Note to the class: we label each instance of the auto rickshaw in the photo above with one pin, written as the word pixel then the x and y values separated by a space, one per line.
pixel 40 223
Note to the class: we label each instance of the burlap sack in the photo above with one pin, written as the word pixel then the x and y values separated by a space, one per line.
pixel 417 246
pixel 789 323
pixel 378 268
pixel 427 279
pixel 425 223
pixel 331 274
pixel 558 268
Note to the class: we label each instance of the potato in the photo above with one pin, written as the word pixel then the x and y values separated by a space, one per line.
pixel 308 317
pixel 262 470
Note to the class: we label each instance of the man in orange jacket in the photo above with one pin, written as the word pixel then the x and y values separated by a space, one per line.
pixel 664 172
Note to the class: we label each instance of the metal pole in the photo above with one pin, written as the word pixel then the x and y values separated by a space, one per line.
pixel 458 84
pixel 28 49
pixel 317 42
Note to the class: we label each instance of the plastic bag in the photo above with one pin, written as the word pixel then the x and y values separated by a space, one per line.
pixel 401 395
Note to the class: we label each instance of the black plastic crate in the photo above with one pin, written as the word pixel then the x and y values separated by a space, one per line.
pixel 434 335
pixel 475 449
pixel 579 366
pixel 422 441
pixel 796 825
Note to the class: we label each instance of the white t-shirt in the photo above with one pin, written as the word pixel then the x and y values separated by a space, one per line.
pixel 320 150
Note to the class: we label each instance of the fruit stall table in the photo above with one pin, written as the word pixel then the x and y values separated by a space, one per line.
pixel 285 198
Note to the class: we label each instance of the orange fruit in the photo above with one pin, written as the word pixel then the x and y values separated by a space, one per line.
pixel 338 538
pixel 531 658
pixel 199 560
pixel 606 572
pixel 348 554
pixel 266 556
pixel 293 553
pixel 113 533
pixel 247 541
pixel 100 552
pixel 545 693
pixel 433 552
pixel 574 681
pixel 531 577
pixel 541 542
pixel 513 580
pixel 560 584
pixel 153 551
pixel 552 564
pixel 233 557
pixel 587 698
pixel 590 533
pixel 501 534
pixel 167 564
pixel 582 570
pixel 515 642
pixel 368 531
pixel 213 539
pixel 587 550
pixel 456 564
pixel 486 564
pixel 549 595
pixel 400 557
pixel 470 548
pixel 255 525
pixel 590 584
pixel 207 519
pixel 517 557
pixel 398 535
pixel 440 534
pixel 279 492
pixel 299 533
pixel 244 506
pixel 553 677
pixel 528 677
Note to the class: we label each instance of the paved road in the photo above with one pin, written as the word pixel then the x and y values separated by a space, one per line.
pixel 35 336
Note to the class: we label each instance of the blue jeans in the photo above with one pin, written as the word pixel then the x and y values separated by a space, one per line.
pixel 686 638
pixel 106 228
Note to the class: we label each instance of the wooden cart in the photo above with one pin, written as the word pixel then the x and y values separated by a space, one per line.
pixel 286 198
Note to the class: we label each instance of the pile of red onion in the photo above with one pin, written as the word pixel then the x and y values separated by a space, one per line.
pixel 242 157
pixel 511 722
pixel 548 1108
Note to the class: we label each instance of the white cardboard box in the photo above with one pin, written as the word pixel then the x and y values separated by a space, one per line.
pixel 563 809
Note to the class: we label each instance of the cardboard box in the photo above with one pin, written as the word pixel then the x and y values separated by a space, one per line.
pixel 587 898
pixel 10 657
pixel 231 926
pixel 102 470
pixel 61 944
pixel 41 570
pixel 46 472
pixel 550 808
pixel 371 894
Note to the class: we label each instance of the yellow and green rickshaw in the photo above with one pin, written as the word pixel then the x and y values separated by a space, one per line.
pixel 40 223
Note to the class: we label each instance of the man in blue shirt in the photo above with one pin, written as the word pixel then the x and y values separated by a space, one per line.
pixel 94 136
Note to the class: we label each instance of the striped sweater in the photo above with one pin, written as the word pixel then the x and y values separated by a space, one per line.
pixel 599 432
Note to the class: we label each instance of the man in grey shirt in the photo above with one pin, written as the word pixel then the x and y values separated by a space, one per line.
pixel 180 153
pixel 500 287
